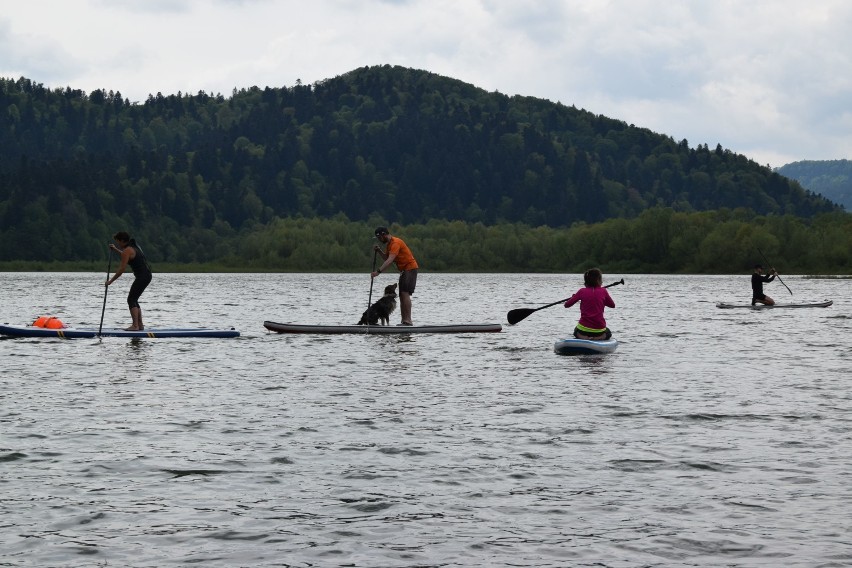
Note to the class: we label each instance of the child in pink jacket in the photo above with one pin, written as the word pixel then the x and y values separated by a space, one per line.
pixel 593 298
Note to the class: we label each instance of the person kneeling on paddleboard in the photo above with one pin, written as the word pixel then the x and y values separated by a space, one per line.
pixel 593 299
pixel 757 280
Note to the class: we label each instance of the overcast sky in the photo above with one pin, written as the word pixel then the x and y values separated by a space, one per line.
pixel 770 79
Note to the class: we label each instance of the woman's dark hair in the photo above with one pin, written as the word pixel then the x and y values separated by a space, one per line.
pixel 593 277
pixel 121 236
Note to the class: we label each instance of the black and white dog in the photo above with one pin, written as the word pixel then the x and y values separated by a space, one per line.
pixel 381 309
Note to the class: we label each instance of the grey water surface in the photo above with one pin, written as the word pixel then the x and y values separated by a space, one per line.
pixel 709 438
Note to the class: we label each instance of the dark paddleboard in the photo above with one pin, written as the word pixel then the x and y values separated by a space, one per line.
pixel 727 306
pixel 381 329
pixel 89 332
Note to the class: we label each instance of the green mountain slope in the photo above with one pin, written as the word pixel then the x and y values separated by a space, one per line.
pixel 389 143
pixel 829 178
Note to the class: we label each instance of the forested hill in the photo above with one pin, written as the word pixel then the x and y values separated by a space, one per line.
pixel 830 178
pixel 385 143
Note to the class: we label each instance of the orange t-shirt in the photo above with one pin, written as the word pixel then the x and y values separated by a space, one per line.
pixel 404 259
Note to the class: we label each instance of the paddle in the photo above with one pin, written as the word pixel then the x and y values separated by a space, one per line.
pixel 776 272
pixel 514 316
pixel 370 298
pixel 106 289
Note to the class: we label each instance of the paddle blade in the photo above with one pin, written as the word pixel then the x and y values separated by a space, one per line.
pixel 514 316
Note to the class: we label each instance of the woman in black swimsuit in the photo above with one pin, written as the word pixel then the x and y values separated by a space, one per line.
pixel 131 254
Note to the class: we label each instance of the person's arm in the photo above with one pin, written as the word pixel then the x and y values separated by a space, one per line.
pixel 125 258
pixel 389 258
pixel 379 250
pixel 608 301
pixel 572 300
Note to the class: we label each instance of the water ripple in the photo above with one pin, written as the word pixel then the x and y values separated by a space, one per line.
pixel 714 441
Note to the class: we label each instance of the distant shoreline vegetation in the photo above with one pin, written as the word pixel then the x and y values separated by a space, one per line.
pixel 657 241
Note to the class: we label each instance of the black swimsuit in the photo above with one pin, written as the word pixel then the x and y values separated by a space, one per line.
pixel 141 271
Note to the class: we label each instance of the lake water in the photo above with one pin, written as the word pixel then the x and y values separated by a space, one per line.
pixel 710 438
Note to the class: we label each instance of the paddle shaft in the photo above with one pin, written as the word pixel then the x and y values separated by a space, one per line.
pixel 776 272
pixel 106 289
pixel 515 316
pixel 370 297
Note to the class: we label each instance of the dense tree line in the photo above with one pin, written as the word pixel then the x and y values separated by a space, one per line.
pixel 659 240
pixel 203 176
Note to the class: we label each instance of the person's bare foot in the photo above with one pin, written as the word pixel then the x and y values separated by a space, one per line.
pixel 132 328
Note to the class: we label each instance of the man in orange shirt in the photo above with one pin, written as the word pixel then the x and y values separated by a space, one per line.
pixel 398 252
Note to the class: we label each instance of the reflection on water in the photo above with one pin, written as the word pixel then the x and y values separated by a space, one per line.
pixel 710 437
pixel 595 364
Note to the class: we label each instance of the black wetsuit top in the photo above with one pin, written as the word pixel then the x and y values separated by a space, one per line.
pixel 139 264
pixel 757 284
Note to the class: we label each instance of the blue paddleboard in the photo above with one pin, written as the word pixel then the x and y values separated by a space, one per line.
pixel 89 332
pixel 574 346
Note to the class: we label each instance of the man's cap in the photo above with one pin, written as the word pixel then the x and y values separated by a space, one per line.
pixel 758 265
pixel 382 231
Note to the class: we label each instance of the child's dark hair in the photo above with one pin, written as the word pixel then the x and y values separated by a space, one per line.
pixel 593 277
